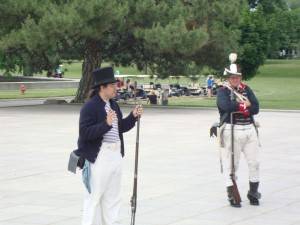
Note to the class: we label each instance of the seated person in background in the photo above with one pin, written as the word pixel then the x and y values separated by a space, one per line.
pixel 119 85
pixel 152 98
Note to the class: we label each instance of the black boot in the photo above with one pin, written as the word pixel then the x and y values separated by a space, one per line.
pixel 231 199
pixel 253 194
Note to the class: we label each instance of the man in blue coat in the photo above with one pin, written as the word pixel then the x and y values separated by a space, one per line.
pixel 236 96
pixel 101 144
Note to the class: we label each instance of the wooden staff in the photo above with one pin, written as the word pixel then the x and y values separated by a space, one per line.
pixel 136 162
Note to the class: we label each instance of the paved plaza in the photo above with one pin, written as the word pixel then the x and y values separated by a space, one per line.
pixel 179 173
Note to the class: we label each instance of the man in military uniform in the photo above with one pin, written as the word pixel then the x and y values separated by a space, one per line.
pixel 236 97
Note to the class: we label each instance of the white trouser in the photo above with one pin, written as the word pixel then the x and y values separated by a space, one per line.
pixel 246 141
pixel 102 206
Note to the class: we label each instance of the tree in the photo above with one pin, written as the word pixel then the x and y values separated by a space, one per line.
pixel 168 37
pixel 266 29
pixel 13 15
pixel 179 37
pixel 221 19
pixel 67 28
pixel 161 43
pixel 296 25
pixel 254 42
pixel 269 6
pixel 294 4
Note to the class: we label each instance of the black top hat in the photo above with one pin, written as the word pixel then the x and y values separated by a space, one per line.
pixel 103 75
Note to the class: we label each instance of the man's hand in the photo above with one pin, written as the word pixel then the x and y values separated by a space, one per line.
pixel 111 116
pixel 243 107
pixel 247 103
pixel 138 111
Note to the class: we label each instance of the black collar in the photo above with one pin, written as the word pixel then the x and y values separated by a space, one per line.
pixel 99 99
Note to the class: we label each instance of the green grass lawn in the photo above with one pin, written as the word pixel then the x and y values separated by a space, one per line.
pixel 38 93
pixel 193 101
pixel 277 86
pixel 74 70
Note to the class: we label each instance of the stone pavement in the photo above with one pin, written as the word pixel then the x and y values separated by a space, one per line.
pixel 30 101
pixel 179 178
pixel 21 102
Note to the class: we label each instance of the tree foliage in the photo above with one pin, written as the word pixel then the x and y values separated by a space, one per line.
pixel 162 37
